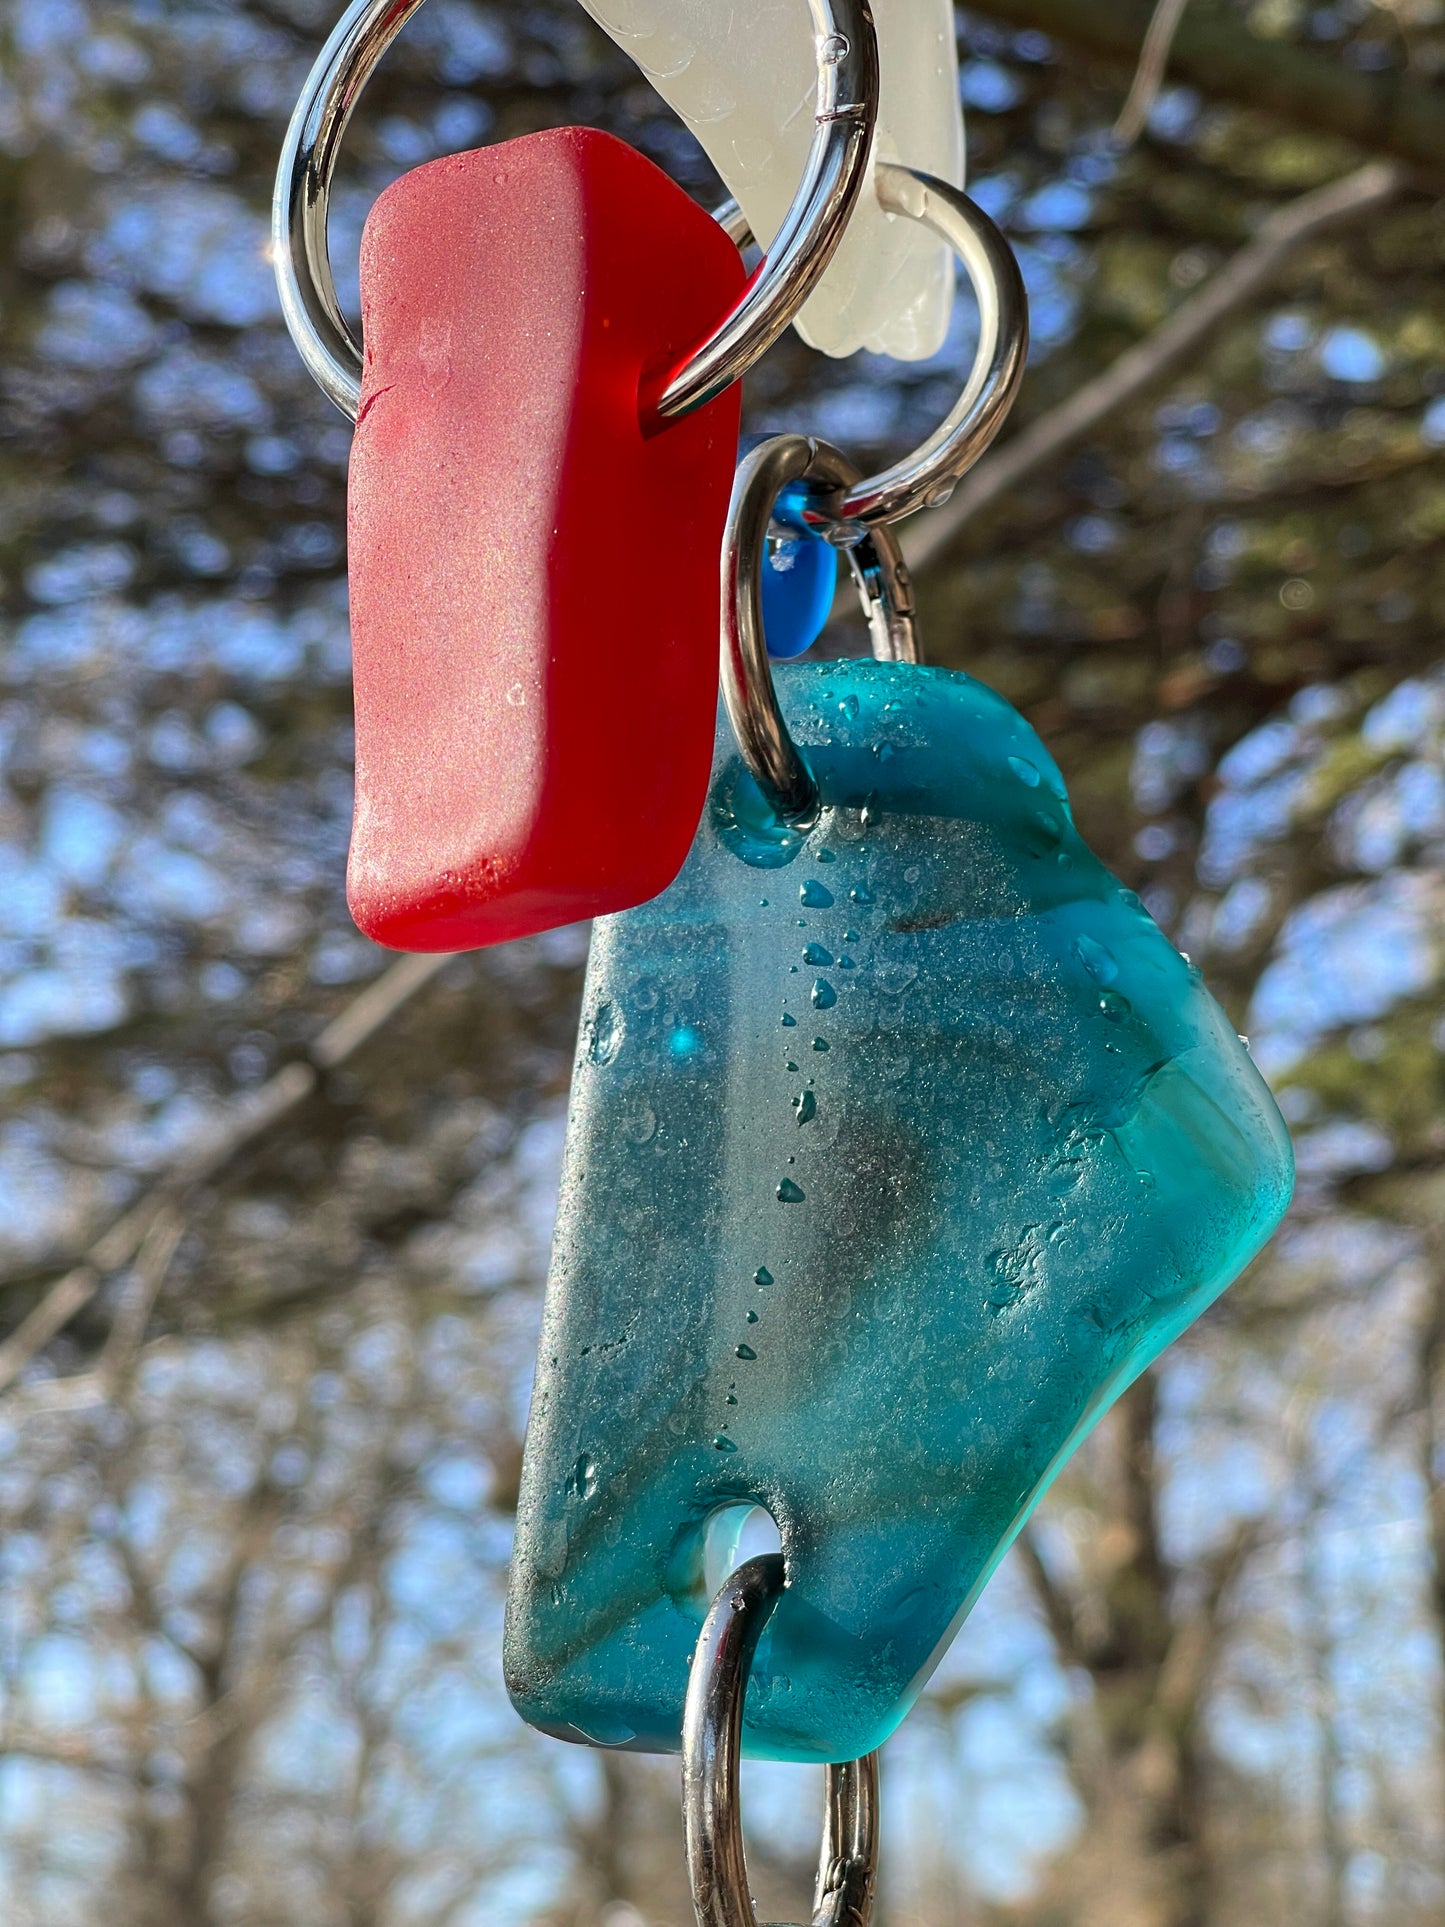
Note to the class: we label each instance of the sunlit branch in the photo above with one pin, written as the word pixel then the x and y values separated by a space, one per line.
pixel 244 1122
pixel 1149 74
pixel 1214 51
pixel 1238 282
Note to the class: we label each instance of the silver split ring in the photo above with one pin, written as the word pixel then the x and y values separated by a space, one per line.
pixel 879 573
pixel 846 109
pixel 711 1751
pixel 927 477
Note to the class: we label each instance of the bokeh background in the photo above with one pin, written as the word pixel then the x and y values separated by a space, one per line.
pixel 274 1209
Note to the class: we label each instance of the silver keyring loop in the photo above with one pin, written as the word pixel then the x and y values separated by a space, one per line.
pixel 847 106
pixel 711 1753
pixel 928 476
pixel 879 574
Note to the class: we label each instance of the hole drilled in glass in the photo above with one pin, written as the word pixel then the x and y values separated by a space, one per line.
pixel 731 1536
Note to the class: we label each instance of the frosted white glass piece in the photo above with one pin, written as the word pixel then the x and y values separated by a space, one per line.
pixel 743 75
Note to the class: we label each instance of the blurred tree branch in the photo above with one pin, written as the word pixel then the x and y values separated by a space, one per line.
pixel 106 1381
pixel 1151 1657
pixel 1429 1396
pixel 61 1749
pixel 1149 74
pixel 244 1122
pixel 1237 284
pixel 1055 1599
pixel 1212 50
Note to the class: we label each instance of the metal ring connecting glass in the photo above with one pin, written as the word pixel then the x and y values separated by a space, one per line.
pixel 711 1752
pixel 879 574
pixel 928 476
pixel 847 107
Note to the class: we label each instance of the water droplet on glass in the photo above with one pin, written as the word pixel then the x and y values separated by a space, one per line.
pixel 820 1043
pixel 604 1034
pixel 1115 1007
pixel 1046 831
pixel 816 955
pixel 762 1276
pixel 752 1318
pixel 824 995
pixel 788 1192
pixel 1025 771
pixel 814 896
pixel 746 1351
pixel 1096 959
pixel 806 1106
pixel 789 1023
pixel 582 1480
pixel 724 1443
pixel 861 895
pixel 848 707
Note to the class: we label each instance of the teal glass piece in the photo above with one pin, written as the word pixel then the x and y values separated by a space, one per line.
pixel 897 1149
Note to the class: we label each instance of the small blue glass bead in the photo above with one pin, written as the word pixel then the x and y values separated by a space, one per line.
pixel 799 577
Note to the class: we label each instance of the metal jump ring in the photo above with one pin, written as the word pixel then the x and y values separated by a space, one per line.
pixel 847 107
pixel 711 1749
pixel 928 476
pixel 879 574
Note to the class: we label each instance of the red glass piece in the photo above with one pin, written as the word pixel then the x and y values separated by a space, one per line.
pixel 534 569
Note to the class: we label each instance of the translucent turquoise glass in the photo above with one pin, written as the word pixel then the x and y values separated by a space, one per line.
pixel 896 1150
